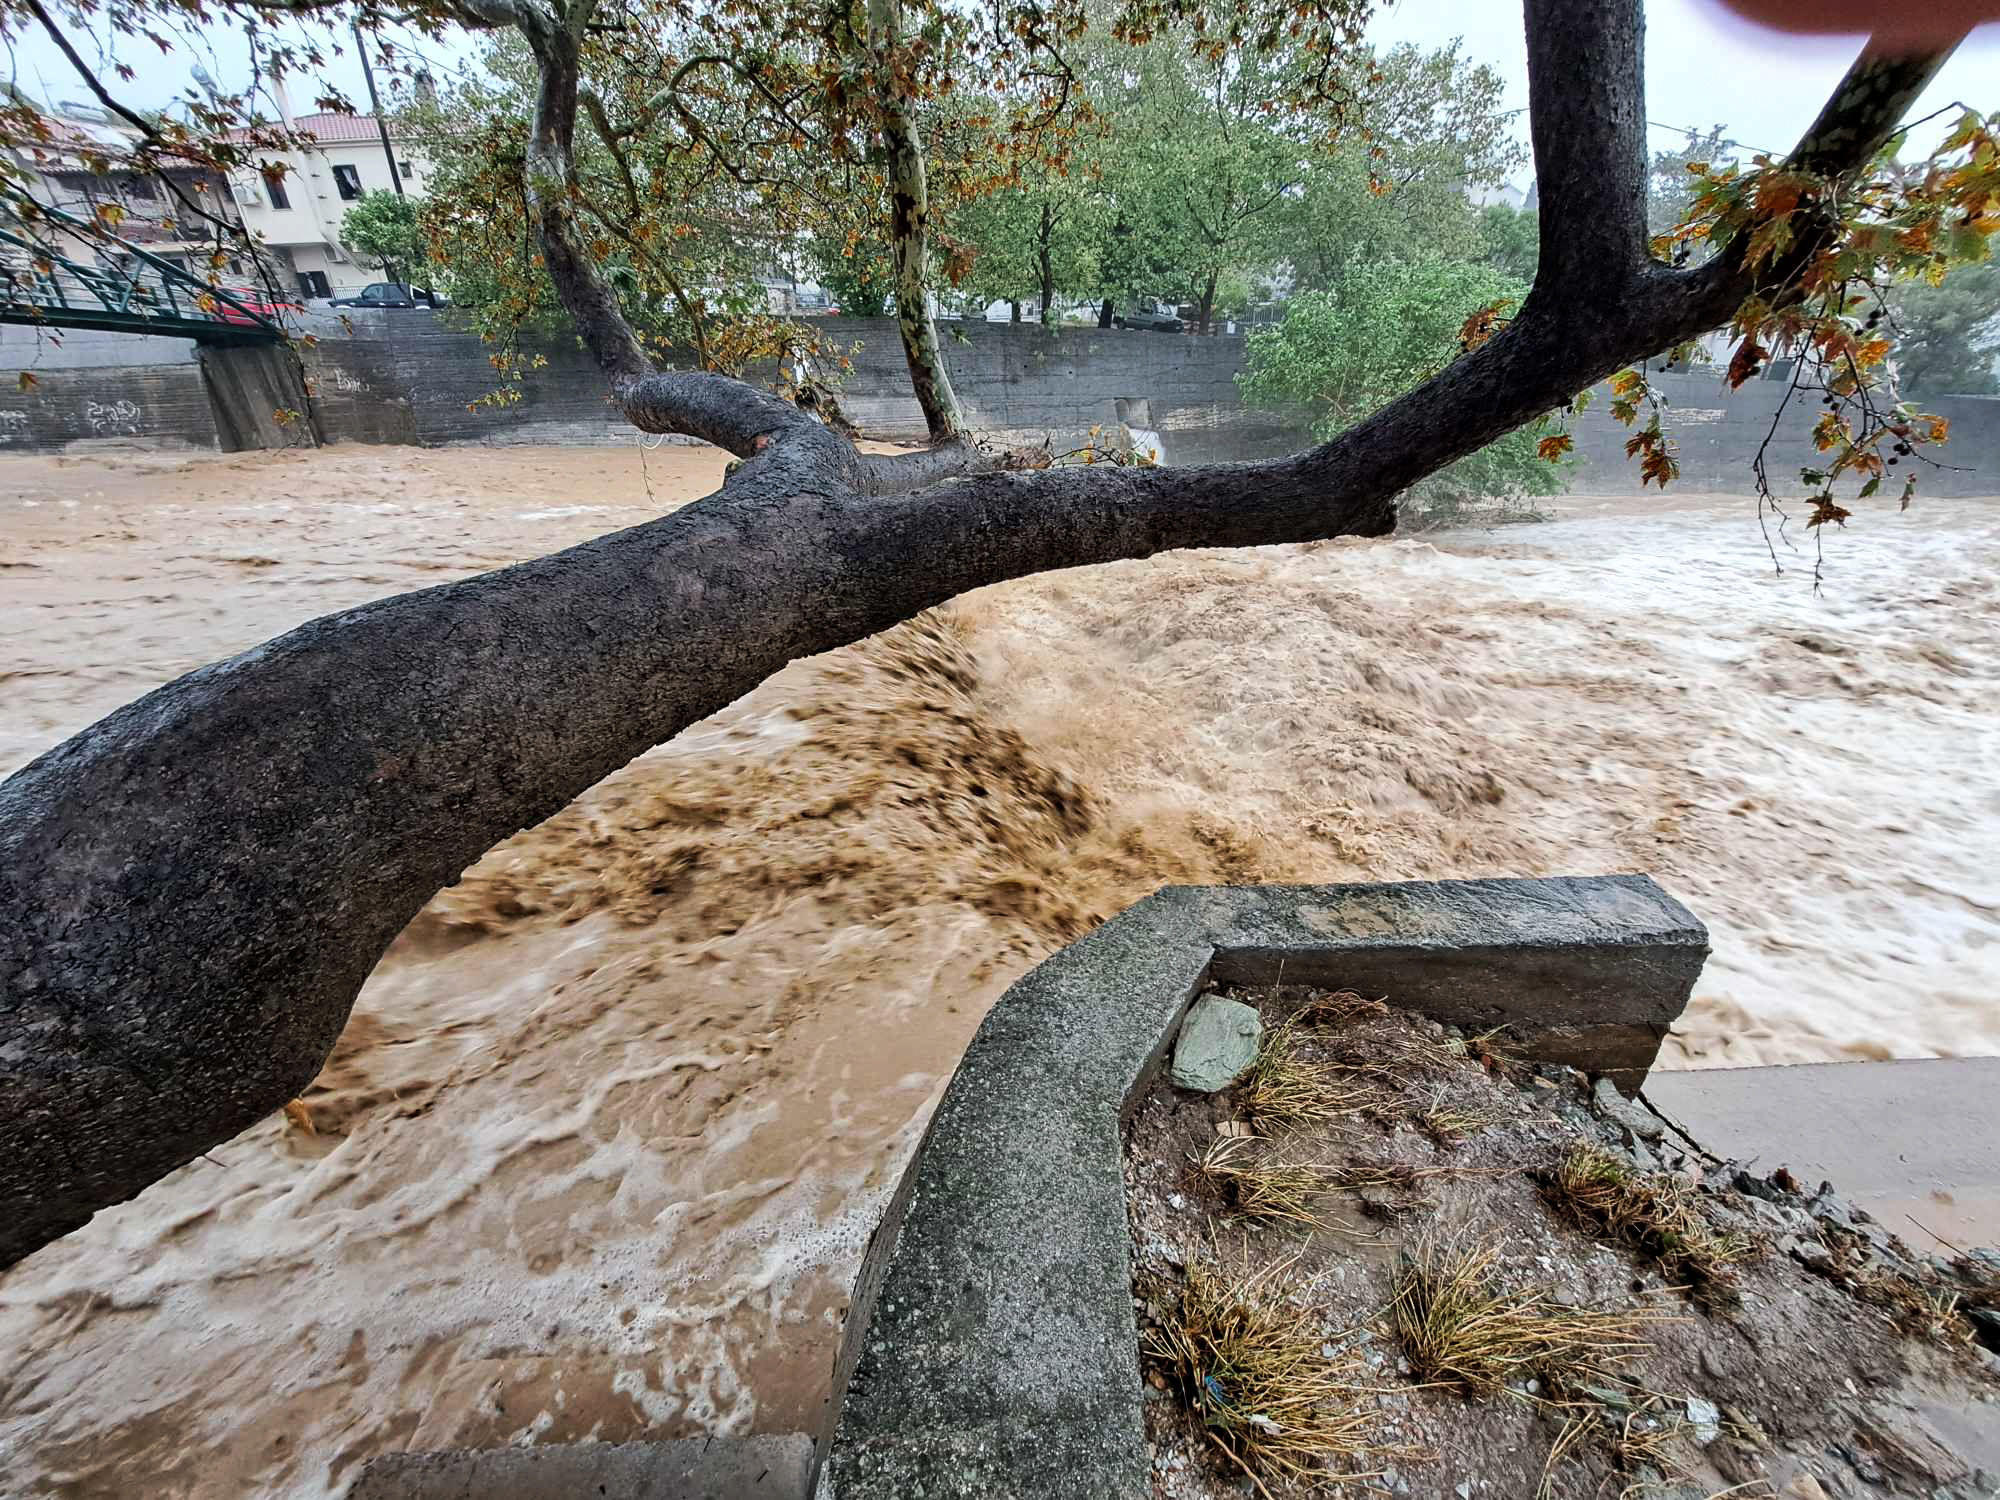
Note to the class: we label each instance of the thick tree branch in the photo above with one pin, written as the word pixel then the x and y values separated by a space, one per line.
pixel 909 229
pixel 1863 112
pixel 900 473
pixel 1587 116
pixel 719 409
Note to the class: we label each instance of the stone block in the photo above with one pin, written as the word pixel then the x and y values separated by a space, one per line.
pixel 991 1348
pixel 1217 1044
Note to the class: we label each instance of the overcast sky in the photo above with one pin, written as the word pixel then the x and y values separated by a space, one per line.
pixel 1703 66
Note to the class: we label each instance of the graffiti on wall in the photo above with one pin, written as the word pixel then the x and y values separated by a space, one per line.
pixel 109 418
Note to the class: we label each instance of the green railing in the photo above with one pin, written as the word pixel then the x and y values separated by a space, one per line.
pixel 43 288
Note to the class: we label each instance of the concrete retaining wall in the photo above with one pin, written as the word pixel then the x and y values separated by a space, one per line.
pixel 415 377
pixel 163 405
pixel 403 377
pixel 257 396
pixel 385 376
pixel 991 1348
pixel 1717 432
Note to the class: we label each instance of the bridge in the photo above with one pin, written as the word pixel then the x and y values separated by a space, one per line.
pixel 146 294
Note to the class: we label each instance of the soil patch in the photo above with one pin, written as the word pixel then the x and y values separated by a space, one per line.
pixel 1393 1260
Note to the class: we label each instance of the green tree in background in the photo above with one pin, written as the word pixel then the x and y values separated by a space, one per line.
pixel 1203 162
pixel 1040 241
pixel 1511 240
pixel 382 229
pixel 1379 331
pixel 1435 129
pixel 856 277
pixel 1949 335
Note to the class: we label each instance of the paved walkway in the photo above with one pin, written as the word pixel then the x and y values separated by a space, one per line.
pixel 1908 1141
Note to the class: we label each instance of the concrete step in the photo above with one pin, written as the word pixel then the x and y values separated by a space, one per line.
pixel 755 1468
pixel 1915 1143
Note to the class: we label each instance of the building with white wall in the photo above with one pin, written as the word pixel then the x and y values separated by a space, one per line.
pixel 86 170
pixel 297 212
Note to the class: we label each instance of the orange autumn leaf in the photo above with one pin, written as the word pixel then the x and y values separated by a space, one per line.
pixel 1554 447
pixel 1745 362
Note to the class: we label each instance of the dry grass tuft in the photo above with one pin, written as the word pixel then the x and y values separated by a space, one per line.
pixel 1929 1310
pixel 1341 1008
pixel 1448 1122
pixel 1652 1212
pixel 1269 1191
pixel 1457 1325
pixel 1250 1369
pixel 1288 1090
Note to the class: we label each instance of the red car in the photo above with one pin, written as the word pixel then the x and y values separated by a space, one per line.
pixel 253 300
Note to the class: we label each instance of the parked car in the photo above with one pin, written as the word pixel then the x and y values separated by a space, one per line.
pixel 253 300
pixel 391 294
pixel 1153 319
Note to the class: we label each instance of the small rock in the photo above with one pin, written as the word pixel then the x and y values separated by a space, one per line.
pixel 1634 1118
pixel 1217 1044
pixel 1762 1189
pixel 1706 1419
pixel 1804 1487
pixel 1828 1205
pixel 1464 1489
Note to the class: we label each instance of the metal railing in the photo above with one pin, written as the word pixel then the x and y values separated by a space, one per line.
pixel 41 287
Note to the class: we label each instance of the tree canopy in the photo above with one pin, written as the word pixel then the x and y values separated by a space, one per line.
pixel 382 229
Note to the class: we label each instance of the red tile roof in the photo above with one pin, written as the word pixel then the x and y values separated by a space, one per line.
pixel 332 129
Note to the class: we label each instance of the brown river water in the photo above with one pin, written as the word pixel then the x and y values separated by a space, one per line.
pixel 599 1150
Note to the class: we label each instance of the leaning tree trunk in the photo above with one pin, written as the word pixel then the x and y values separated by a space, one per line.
pixel 1047 265
pixel 909 232
pixel 197 885
pixel 1105 312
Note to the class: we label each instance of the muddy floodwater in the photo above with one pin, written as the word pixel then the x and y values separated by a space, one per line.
pixel 601 1145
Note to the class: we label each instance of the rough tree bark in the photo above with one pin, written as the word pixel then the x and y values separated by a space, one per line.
pixel 196 886
pixel 909 231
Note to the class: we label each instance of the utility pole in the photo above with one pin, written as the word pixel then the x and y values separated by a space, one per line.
pixel 375 103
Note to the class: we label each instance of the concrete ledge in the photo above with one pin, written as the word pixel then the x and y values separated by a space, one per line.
pixel 689 1469
pixel 990 1347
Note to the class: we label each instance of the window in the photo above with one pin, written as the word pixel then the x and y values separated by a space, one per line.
pixel 404 168
pixel 315 284
pixel 274 184
pixel 348 181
